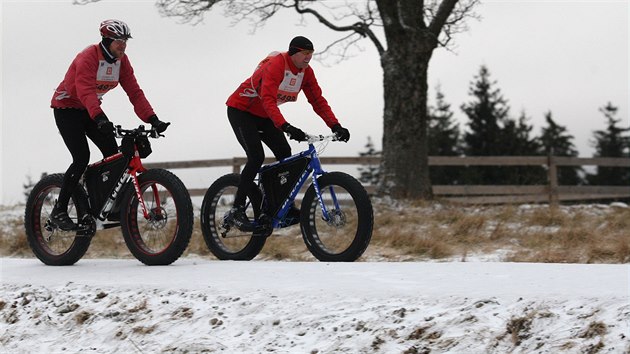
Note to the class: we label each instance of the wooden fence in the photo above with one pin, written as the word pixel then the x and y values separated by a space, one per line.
pixel 470 194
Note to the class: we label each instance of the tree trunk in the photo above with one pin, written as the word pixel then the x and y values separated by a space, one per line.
pixel 404 166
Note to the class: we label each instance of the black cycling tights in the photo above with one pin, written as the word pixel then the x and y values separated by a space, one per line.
pixel 74 125
pixel 251 131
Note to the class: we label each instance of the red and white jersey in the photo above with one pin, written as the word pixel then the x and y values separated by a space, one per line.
pixel 275 81
pixel 90 76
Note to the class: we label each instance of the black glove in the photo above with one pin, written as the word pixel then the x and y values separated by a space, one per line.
pixel 157 124
pixel 342 133
pixel 103 125
pixel 294 133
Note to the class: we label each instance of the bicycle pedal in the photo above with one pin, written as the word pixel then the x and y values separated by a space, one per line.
pixel 260 229
pixel 263 230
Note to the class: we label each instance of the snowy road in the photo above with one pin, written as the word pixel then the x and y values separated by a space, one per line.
pixel 197 305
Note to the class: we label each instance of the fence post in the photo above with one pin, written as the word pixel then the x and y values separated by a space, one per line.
pixel 552 176
pixel 236 165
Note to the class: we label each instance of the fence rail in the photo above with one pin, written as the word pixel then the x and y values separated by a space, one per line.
pixel 474 194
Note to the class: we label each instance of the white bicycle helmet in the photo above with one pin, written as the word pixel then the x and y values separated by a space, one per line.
pixel 115 29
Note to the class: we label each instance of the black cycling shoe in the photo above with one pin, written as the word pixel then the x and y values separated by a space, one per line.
pixel 61 219
pixel 238 218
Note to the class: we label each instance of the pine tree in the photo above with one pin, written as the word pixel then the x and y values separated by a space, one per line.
pixel 444 140
pixel 555 141
pixel 492 133
pixel 369 173
pixel 487 113
pixel 516 140
pixel 612 142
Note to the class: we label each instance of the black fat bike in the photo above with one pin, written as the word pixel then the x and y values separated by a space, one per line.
pixel 152 207
pixel 336 216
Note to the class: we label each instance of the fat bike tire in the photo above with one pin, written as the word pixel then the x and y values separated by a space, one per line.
pixel 229 243
pixel 163 237
pixel 347 233
pixel 51 245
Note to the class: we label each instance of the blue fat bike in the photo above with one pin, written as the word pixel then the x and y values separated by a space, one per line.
pixel 336 216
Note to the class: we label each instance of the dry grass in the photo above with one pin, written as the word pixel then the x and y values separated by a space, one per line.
pixel 431 231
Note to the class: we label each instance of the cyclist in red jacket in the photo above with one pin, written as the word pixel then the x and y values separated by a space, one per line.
pixel 255 118
pixel 77 108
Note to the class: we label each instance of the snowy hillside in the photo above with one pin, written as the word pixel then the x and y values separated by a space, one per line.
pixel 203 306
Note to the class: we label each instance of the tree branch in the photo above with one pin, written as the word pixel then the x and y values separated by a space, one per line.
pixel 449 18
pixel 361 28
pixel 189 11
pixel 444 11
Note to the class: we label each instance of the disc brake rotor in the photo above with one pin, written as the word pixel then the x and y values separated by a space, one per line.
pixel 337 218
pixel 157 218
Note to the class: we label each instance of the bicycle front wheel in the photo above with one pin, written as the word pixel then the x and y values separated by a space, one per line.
pixel 162 238
pixel 225 242
pixel 345 232
pixel 51 245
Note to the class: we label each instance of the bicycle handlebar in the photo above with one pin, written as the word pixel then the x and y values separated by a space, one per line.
pixel 310 138
pixel 139 131
pixel 152 133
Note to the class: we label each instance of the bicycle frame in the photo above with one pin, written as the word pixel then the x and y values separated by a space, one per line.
pixel 314 169
pixel 131 173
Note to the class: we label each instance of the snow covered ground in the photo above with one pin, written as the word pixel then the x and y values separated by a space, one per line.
pixel 202 306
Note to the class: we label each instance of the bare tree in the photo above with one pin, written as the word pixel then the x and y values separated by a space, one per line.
pixel 404 32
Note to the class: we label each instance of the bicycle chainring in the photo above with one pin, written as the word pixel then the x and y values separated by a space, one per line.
pixel 87 226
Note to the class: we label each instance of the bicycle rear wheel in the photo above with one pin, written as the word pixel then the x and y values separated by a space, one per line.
pixel 229 243
pixel 51 245
pixel 347 232
pixel 161 239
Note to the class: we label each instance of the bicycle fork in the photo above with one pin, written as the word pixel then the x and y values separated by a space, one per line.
pixel 319 171
pixel 326 216
pixel 157 212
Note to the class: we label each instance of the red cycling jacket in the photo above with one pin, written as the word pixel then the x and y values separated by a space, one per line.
pixel 90 77
pixel 275 81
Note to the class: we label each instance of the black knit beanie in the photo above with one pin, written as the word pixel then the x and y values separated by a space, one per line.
pixel 299 44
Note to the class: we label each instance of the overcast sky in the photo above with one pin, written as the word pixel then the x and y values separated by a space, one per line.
pixel 567 57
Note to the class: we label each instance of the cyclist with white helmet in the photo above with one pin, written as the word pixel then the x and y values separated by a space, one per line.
pixel 77 108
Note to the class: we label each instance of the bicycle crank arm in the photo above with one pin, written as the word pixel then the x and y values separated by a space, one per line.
pixel 111 226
